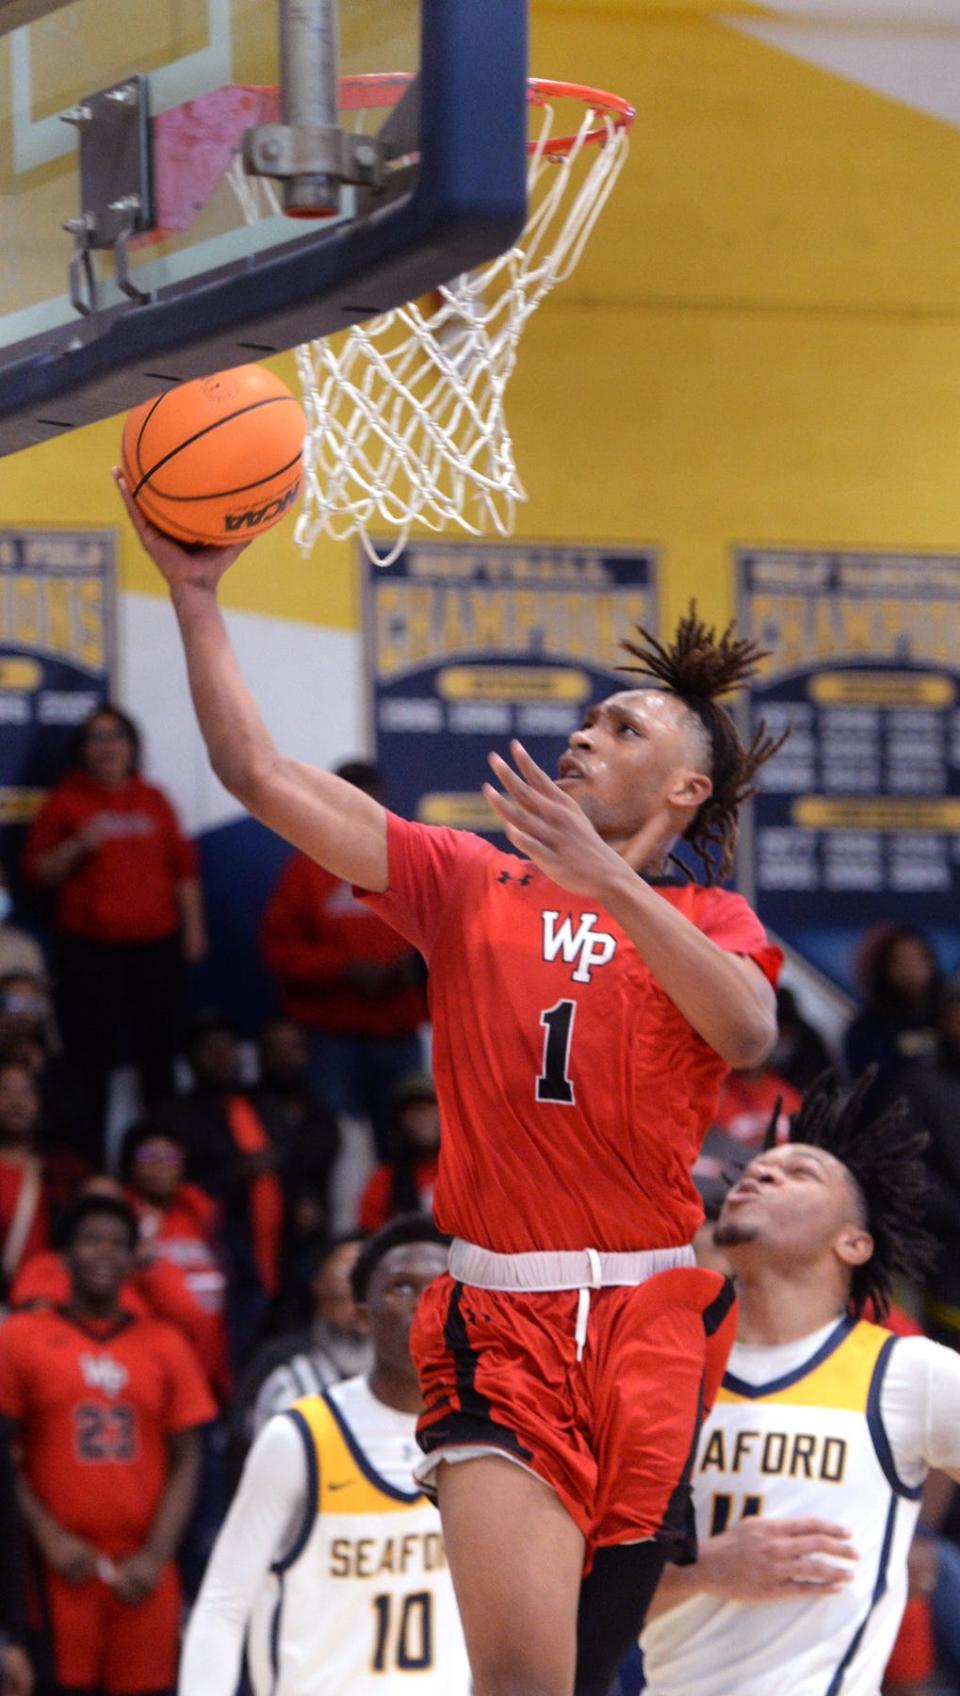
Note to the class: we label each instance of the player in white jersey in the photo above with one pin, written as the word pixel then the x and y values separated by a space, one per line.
pixel 809 1469
pixel 330 1560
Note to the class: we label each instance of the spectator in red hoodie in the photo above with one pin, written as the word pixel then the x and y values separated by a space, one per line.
pixel 129 910
pixel 350 980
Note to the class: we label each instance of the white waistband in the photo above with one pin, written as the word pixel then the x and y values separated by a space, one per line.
pixel 559 1269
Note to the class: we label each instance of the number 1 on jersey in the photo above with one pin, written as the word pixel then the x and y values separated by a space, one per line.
pixel 554 1083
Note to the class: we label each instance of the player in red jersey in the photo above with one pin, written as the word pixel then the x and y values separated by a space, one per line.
pixel 106 1407
pixel 585 1009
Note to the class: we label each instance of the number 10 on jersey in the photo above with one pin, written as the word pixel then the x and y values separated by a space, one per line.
pixel 403 1632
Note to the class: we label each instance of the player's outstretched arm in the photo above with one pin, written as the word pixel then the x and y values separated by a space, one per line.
pixel 763 1560
pixel 333 822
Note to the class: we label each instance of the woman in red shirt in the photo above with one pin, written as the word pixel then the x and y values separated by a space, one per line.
pixel 129 910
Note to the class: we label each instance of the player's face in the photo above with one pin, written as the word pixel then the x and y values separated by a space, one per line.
pixel 397 1284
pixel 634 758
pixel 99 1258
pixel 793 1204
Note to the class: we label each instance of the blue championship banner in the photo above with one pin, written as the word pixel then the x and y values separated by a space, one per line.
pixel 57 648
pixel 857 820
pixel 471 644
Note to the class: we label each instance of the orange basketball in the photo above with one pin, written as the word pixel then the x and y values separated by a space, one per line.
pixel 219 459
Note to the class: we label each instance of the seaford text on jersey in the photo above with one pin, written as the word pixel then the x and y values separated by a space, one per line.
pixel 366 1557
pixel 583 948
pixel 792 1454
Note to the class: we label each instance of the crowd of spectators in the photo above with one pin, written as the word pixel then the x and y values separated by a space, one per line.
pixel 212 1224
pixel 199 1250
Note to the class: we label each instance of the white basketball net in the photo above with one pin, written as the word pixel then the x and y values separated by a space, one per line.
pixel 405 413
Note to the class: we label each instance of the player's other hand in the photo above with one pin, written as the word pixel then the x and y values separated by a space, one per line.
pixel 771 1560
pixel 72 1558
pixel 548 826
pixel 16 1673
pixel 137 1577
pixel 200 568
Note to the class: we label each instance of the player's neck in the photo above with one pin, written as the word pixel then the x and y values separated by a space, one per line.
pixel 395 1389
pixel 647 850
pixel 782 1308
pixel 94 1312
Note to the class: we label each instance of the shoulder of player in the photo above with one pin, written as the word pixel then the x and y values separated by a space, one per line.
pixel 913 1359
pixel 449 841
pixel 701 898
pixel 281 1438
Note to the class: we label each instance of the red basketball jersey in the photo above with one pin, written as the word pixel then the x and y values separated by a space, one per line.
pixel 95 1407
pixel 574 1095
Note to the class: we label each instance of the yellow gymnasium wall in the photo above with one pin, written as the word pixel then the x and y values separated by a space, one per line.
pixel 761 343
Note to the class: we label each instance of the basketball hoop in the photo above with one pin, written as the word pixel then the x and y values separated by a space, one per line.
pixel 406 418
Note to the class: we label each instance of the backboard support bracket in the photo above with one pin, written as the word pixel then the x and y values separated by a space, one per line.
pixel 467 203
pixel 287 151
pixel 116 197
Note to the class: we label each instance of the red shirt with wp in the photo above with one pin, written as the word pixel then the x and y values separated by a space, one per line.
pixel 313 929
pixel 94 1406
pixel 125 889
pixel 574 1095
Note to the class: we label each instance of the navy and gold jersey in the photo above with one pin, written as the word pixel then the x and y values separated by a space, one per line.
pixel 363 1601
pixel 810 1444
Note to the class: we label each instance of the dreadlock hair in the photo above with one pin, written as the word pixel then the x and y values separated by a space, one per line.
pixel 697 667
pixel 882 1154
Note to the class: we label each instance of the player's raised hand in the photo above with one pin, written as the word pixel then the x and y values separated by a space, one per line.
pixel 200 568
pixel 776 1560
pixel 549 827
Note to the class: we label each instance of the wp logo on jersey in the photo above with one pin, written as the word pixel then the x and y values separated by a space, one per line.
pixel 102 1372
pixel 583 948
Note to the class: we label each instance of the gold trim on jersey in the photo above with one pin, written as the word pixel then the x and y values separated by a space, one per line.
pixel 346 1482
pixel 841 1380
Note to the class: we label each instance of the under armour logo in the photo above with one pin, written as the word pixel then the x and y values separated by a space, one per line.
pixel 509 877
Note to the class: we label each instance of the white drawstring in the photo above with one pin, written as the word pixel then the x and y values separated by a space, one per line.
pixel 583 1300
pixel 562 1269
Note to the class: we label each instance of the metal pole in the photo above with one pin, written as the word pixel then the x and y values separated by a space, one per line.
pixel 309 94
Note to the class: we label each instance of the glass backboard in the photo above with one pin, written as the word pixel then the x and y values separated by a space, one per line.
pixel 222 275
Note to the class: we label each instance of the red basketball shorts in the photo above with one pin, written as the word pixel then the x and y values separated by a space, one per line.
pixel 614 1434
pixel 101 1642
